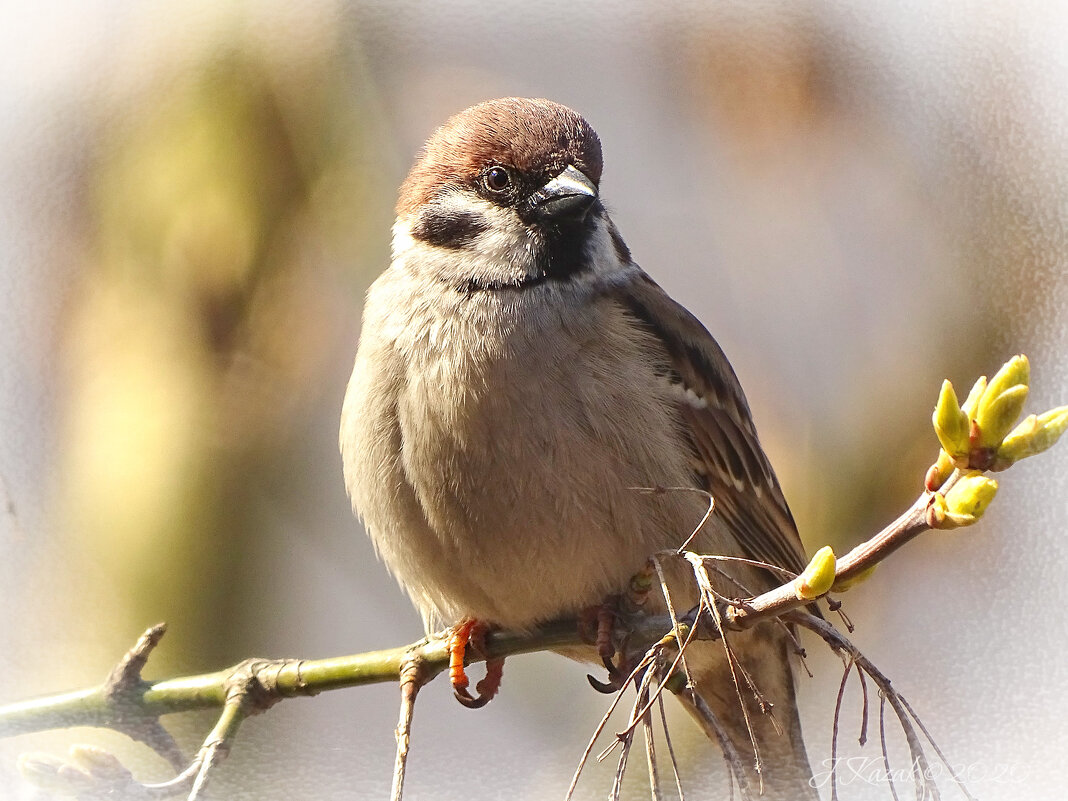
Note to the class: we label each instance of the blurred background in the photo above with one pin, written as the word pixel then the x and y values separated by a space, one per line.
pixel 857 199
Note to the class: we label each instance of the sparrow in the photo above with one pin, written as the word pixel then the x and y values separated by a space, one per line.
pixel 519 377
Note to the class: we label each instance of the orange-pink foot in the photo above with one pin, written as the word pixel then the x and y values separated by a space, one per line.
pixel 473 633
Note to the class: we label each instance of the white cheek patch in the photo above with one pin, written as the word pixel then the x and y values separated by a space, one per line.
pixel 403 241
pixel 507 239
pixel 504 236
pixel 502 251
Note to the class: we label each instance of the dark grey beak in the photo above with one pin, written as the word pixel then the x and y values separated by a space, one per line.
pixel 568 196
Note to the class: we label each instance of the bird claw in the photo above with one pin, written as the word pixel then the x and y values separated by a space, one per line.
pixel 468 700
pixel 606 687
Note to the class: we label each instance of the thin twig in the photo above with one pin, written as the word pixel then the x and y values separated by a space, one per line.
pixel 863 738
pixel 882 743
pixel 920 767
pixel 671 749
pixel 715 731
pixel 921 770
pixel 412 678
pixel 629 728
pixel 942 757
pixel 741 560
pixel 705 583
pixel 650 755
pixel 626 737
pixel 675 628
pixel 593 739
pixel 217 745
pixel 834 728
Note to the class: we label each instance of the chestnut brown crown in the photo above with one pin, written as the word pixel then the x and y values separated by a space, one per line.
pixel 534 137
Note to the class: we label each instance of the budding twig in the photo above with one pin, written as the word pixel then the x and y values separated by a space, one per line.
pixel 976 436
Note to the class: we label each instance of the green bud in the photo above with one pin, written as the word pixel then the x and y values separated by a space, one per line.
pixel 968 499
pixel 951 424
pixel 1018 444
pixel 1034 435
pixel 1002 402
pixel 997 416
pixel 817 578
pixel 970 405
pixel 1051 425
pixel 1015 372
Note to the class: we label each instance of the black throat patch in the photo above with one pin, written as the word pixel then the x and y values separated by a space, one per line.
pixel 564 247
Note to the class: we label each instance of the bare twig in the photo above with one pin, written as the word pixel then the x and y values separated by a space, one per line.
pixel 906 716
pixel 882 743
pixel 709 602
pixel 217 745
pixel 671 749
pixel 625 738
pixel 695 490
pixel 834 727
pixel 650 751
pixel 708 721
pixel 597 733
pixel 784 598
pixel 863 738
pixel 675 627
pixel 942 757
pixel 413 676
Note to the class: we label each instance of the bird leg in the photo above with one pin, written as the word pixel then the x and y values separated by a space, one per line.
pixel 605 616
pixel 618 609
pixel 469 632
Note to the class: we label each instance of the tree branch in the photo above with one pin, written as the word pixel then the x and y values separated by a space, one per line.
pixel 975 438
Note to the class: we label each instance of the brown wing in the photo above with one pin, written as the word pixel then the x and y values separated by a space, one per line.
pixel 736 471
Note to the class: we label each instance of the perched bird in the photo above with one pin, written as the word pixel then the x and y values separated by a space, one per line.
pixel 518 376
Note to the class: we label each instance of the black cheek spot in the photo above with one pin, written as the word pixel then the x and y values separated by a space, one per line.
pixel 448 228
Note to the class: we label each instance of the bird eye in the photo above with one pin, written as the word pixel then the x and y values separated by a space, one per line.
pixel 497 179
